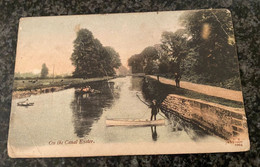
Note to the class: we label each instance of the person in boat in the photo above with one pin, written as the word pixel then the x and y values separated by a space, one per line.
pixel 86 89
pixel 155 109
pixel 177 79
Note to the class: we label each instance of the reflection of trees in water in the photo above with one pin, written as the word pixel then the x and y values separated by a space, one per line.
pixel 152 89
pixel 136 83
pixel 88 108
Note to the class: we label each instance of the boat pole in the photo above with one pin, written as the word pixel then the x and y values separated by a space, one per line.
pixel 148 105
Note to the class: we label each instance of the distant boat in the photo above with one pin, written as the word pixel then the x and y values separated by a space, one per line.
pixel 91 91
pixel 134 122
pixel 25 104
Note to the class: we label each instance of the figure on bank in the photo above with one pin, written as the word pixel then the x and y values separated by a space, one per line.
pixel 155 109
pixel 177 79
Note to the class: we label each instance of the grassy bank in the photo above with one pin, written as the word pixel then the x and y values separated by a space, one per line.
pixel 232 83
pixel 32 84
pixel 159 91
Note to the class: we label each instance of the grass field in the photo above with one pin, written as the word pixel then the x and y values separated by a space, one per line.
pixel 21 85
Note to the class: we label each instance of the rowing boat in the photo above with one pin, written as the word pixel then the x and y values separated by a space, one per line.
pixel 134 122
pixel 25 104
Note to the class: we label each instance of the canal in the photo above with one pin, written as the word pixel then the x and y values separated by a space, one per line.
pixel 68 115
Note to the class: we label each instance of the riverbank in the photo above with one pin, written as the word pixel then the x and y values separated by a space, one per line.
pixel 26 88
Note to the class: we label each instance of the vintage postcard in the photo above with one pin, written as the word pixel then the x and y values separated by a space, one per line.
pixel 127 84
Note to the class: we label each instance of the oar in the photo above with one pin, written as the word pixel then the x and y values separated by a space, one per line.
pixel 148 105
pixel 142 100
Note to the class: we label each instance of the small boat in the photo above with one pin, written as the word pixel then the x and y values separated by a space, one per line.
pixel 25 104
pixel 91 91
pixel 134 122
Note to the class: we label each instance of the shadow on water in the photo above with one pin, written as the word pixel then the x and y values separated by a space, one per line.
pixel 87 108
pixel 152 89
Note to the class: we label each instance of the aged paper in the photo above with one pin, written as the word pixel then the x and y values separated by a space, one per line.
pixel 127 84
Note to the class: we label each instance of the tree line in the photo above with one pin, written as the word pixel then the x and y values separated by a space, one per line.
pixel 91 58
pixel 202 51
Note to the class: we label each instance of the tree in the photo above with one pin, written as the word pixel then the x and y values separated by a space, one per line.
pixel 91 59
pixel 212 40
pixel 112 60
pixel 163 62
pixel 175 46
pixel 145 62
pixel 44 71
pixel 150 57
pixel 136 62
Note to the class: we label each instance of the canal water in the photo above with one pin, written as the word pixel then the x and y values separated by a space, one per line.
pixel 68 115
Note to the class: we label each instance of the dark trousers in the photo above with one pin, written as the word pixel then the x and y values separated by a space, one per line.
pixel 153 115
pixel 177 83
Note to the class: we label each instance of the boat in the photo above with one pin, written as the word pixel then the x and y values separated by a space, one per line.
pixel 91 91
pixel 25 104
pixel 134 122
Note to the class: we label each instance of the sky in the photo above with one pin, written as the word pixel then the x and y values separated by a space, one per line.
pixel 50 39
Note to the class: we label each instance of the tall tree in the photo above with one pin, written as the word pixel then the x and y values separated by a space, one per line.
pixel 163 62
pixel 112 60
pixel 136 63
pixel 90 58
pixel 44 71
pixel 150 57
pixel 175 46
pixel 213 41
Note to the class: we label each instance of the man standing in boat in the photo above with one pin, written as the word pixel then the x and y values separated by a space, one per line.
pixel 155 109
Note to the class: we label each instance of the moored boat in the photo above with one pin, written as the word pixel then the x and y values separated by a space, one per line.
pixel 25 104
pixel 134 122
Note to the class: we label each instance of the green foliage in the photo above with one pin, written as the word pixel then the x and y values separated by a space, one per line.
pixel 175 46
pixel 112 60
pixel 212 40
pixel 150 57
pixel 145 62
pixel 136 63
pixel 44 71
pixel 91 59
pixel 162 58
pixel 203 51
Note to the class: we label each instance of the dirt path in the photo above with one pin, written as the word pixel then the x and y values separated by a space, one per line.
pixel 206 89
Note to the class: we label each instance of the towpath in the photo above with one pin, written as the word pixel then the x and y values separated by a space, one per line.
pixel 206 89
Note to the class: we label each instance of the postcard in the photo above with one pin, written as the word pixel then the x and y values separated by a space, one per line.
pixel 127 84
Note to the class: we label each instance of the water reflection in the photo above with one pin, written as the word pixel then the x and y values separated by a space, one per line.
pixel 154 133
pixel 88 107
pixel 136 83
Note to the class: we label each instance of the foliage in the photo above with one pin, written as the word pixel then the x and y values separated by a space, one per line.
pixel 146 62
pixel 91 59
pixel 175 46
pixel 136 63
pixel 44 71
pixel 212 40
pixel 150 57
pixel 202 50
pixel 162 58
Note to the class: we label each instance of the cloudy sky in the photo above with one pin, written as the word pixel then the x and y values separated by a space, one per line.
pixel 50 39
